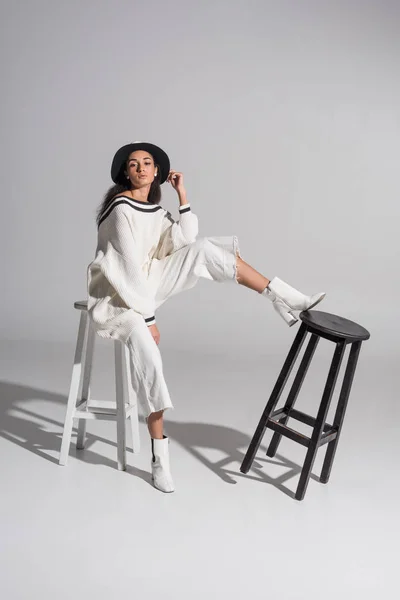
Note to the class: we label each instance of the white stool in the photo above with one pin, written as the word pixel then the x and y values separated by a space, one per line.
pixel 81 406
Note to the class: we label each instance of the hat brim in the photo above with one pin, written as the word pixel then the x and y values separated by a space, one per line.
pixel 121 156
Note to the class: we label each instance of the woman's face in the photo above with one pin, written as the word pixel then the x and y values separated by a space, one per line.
pixel 140 168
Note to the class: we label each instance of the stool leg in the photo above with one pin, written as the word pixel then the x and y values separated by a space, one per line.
pixel 120 397
pixel 275 395
pixel 341 410
pixel 294 392
pixel 73 390
pixel 87 372
pixel 320 420
pixel 134 419
pixel 131 400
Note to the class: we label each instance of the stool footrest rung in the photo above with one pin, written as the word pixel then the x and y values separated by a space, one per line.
pixel 306 419
pixel 288 432
pixel 298 415
pixel 99 409
pixel 329 432
pixel 328 436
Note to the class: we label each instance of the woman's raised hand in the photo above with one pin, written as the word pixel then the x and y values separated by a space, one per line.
pixel 175 178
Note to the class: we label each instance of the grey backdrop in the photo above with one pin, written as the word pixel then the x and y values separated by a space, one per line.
pixel 284 119
pixel 282 116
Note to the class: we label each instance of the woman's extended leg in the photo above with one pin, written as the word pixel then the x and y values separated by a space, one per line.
pixel 246 275
pixel 284 298
pixel 218 258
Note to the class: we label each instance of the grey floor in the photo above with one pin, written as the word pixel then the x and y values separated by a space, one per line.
pixel 89 530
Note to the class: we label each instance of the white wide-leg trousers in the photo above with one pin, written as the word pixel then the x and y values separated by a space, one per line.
pixel 208 257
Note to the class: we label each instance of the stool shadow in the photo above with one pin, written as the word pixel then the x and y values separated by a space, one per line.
pixel 31 431
pixel 194 437
pixel 26 428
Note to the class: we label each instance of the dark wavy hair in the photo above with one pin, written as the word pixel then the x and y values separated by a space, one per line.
pixel 123 185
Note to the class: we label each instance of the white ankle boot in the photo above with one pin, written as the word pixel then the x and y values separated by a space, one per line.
pixel 285 299
pixel 160 469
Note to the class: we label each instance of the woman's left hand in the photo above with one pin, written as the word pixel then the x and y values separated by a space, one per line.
pixel 175 178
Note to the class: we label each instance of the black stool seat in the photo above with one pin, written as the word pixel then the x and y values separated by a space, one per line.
pixel 334 325
pixel 342 332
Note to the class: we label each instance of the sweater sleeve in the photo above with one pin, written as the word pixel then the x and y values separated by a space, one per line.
pixel 177 234
pixel 120 265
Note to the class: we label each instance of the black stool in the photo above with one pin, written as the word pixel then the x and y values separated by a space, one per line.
pixel 340 331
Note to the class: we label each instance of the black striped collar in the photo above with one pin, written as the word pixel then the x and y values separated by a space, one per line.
pixel 136 204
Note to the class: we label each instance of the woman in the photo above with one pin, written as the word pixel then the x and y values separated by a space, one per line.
pixel 143 257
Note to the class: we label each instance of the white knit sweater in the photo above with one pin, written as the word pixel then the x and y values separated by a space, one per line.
pixel 130 234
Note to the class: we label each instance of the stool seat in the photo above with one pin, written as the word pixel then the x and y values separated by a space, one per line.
pixel 334 325
pixel 80 304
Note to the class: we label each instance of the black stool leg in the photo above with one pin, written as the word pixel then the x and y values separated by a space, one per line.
pixel 341 409
pixel 275 395
pixel 294 391
pixel 320 420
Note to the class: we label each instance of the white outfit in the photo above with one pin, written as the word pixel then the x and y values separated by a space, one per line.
pixel 142 258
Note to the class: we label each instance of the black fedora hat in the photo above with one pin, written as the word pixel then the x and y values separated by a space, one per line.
pixel 121 156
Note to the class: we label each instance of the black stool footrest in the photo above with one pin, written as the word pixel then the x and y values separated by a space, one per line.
pixel 328 436
pixel 329 432
pixel 298 415
pixel 289 433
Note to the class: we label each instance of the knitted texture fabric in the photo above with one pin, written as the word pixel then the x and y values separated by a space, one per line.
pixel 131 234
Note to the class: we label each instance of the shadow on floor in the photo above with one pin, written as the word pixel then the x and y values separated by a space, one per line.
pixel 41 434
